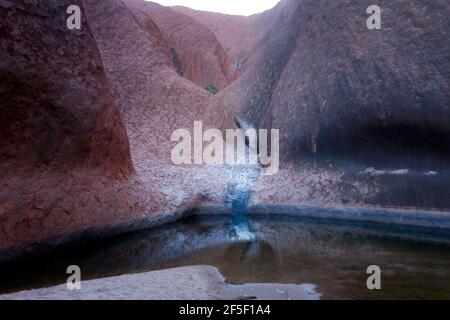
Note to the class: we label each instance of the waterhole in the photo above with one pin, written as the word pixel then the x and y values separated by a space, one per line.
pixel 333 256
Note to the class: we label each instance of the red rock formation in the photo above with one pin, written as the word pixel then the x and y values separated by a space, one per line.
pixel 353 98
pixel 66 157
pixel 151 95
pixel 154 101
pixel 56 111
pixel 64 151
pixel 324 78
pixel 196 52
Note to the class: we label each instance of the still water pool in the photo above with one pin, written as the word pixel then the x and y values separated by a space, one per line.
pixel 333 256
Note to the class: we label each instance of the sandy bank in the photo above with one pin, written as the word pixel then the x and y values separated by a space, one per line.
pixel 185 283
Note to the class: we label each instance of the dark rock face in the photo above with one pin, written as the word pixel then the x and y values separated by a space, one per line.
pixel 65 158
pixel 335 88
pixel 346 99
pixel 56 109
pixel 151 95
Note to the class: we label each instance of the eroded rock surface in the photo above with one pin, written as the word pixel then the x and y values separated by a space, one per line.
pixel 155 101
pixel 64 151
pixel 195 51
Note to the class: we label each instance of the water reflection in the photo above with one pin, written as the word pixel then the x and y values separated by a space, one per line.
pixel 333 257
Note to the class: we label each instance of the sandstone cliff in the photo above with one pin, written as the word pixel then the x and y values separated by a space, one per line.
pixel 195 50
